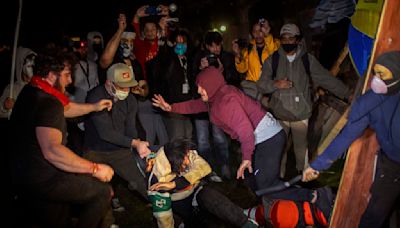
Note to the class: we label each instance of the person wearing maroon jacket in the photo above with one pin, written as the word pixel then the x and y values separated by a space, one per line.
pixel 261 137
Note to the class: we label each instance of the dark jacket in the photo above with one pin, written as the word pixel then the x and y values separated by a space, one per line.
pixel 166 76
pixel 381 113
pixel 110 130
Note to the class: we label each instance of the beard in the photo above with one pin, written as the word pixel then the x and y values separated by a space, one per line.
pixel 58 85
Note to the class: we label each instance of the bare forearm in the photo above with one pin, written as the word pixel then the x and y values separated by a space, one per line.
pixel 66 160
pixel 110 50
pixel 78 109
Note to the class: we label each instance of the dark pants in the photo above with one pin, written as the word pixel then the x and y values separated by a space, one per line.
pixel 49 203
pixel 219 140
pixel 267 160
pixel 212 201
pixel 152 122
pixel 124 165
pixel 384 192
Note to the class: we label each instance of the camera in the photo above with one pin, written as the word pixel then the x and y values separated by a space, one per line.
pixel 242 43
pixel 153 10
pixel 212 60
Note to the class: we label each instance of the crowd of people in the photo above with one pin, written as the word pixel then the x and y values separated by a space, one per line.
pixel 161 114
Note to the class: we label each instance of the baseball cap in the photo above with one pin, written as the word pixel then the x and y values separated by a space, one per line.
pixel 290 29
pixel 122 75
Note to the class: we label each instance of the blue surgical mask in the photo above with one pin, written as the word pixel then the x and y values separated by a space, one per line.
pixel 180 48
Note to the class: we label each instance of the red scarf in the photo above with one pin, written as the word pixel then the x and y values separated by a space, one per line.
pixel 38 82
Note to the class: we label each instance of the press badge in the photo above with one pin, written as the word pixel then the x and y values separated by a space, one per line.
pixel 185 88
pixel 297 99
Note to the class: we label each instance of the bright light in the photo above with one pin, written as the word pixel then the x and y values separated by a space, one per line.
pixel 215 30
pixel 222 28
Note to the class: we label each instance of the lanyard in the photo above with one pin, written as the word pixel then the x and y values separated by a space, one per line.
pixel 183 63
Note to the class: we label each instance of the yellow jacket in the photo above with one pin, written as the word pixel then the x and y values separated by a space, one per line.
pixel 249 62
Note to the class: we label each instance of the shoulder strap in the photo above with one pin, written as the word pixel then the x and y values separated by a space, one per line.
pixel 306 63
pixel 274 64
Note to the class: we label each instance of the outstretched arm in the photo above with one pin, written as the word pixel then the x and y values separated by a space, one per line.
pixel 79 109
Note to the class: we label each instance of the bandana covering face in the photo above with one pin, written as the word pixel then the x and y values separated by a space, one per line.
pixel 38 82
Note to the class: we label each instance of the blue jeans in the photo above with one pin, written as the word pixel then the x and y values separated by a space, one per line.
pixel 219 140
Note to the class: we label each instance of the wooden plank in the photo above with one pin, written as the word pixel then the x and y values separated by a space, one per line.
pixel 343 54
pixel 353 192
pixel 352 197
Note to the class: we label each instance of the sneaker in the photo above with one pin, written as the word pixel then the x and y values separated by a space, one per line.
pixel 116 205
pixel 214 177
pixel 325 200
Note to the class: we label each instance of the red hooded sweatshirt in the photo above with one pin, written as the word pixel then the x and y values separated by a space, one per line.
pixel 228 107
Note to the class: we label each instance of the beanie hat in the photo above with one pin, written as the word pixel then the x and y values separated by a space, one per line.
pixel 391 60
pixel 128 35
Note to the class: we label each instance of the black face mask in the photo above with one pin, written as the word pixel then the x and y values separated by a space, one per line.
pixel 97 48
pixel 289 47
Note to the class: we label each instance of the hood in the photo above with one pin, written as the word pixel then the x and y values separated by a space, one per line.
pixel 211 80
pixel 21 55
pixel 91 54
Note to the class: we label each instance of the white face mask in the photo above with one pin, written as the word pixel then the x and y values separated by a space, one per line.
pixel 28 67
pixel 121 95
pixel 378 85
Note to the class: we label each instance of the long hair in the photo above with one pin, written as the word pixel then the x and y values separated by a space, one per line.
pixel 175 151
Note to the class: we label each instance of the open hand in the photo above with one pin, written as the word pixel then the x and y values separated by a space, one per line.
pixel 166 186
pixel 159 101
pixel 246 164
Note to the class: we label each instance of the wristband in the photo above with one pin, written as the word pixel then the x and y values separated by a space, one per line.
pixel 95 168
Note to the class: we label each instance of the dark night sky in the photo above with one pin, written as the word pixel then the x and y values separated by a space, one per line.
pixel 44 20
pixel 47 20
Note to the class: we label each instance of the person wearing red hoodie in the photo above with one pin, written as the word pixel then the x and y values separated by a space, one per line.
pixel 259 133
